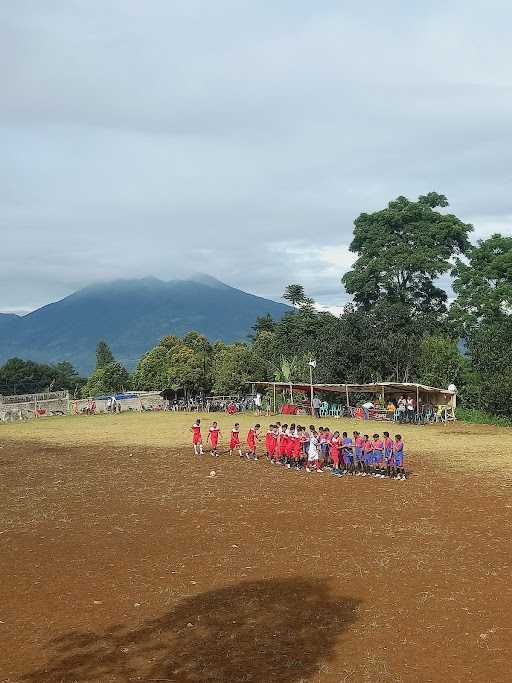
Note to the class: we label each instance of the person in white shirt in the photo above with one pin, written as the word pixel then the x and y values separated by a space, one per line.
pixel 367 407
pixel 313 455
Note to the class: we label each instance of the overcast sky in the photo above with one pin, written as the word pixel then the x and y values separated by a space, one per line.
pixel 239 137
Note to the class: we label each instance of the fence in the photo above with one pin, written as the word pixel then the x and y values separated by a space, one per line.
pixel 29 406
pixel 140 401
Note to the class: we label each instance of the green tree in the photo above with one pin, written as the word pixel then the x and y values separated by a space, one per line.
pixel 401 250
pixel 294 293
pixel 107 380
pixel 440 362
pixel 232 369
pixel 152 370
pixel 104 355
pixel 264 323
pixel 187 370
pixel 483 284
pixel 20 376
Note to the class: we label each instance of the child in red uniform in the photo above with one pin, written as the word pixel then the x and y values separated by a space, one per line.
pixel 252 437
pixel 213 438
pixel 335 453
pixel 268 439
pixel 234 442
pixel 197 439
pixel 289 444
pixel 378 456
pixel 367 455
pixel 283 444
pixel 388 453
pixel 272 443
pixel 296 447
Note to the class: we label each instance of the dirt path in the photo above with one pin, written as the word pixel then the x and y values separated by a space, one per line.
pixel 122 564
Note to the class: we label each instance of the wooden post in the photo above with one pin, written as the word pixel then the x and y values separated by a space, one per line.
pixel 346 394
pixel 291 393
pixel 275 404
pixel 417 399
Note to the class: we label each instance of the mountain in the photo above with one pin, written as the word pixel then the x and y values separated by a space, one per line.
pixel 131 315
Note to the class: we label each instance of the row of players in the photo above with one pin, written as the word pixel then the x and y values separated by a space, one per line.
pixel 313 449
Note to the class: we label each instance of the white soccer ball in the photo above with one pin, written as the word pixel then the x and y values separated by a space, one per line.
pixel 212 473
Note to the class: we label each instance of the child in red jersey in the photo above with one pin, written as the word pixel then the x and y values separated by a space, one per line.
pixel 213 438
pixel 335 453
pixel 367 455
pixel 289 444
pixel 268 440
pixel 388 453
pixel 197 438
pixel 297 447
pixel 358 453
pixel 234 442
pixel 252 438
pixel 398 455
pixel 283 444
pixel 272 442
pixel 378 456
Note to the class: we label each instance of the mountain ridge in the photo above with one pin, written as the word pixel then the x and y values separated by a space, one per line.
pixel 131 315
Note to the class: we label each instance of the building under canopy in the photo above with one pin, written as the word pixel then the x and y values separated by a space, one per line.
pixel 423 394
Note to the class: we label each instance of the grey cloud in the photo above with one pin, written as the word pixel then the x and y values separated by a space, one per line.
pixel 238 138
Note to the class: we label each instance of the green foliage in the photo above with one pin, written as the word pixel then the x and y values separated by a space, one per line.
pixel 152 370
pixel 264 323
pixel 401 251
pixel 484 283
pixel 19 376
pixel 294 294
pixel 110 379
pixel 476 416
pixel 439 362
pixel 104 355
pixel 233 367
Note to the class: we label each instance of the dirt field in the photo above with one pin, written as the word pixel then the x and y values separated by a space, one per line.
pixel 121 559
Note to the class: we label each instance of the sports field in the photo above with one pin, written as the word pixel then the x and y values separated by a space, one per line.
pixel 122 559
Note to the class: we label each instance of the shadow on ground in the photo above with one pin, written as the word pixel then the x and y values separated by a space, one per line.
pixel 267 631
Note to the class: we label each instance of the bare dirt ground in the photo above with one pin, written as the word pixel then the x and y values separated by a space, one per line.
pixel 123 564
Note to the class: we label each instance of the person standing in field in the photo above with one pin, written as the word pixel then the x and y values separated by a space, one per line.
pixel 234 442
pixel 252 438
pixel 197 438
pixel 257 404
pixel 213 438
pixel 313 454
pixel 317 404
pixel 398 457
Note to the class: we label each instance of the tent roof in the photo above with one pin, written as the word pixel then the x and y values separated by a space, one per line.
pixel 359 388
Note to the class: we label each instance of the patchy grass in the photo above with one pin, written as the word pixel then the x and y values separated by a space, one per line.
pixel 457 445
pixel 475 416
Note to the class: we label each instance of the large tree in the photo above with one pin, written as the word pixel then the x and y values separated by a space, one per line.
pixel 104 355
pixel 294 293
pixel 107 380
pixel 402 250
pixel 483 283
pixel 20 376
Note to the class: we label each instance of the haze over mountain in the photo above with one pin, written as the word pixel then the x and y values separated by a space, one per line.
pixel 131 315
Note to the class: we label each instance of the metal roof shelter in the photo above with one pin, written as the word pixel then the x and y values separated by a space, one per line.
pixel 427 394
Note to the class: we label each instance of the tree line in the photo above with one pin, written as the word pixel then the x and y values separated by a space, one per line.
pixel 399 326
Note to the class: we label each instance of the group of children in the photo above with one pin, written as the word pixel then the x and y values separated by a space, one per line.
pixel 315 450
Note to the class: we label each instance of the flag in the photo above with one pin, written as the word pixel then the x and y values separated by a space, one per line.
pixel 312 363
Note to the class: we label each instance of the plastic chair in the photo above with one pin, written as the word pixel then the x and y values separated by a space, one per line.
pixel 324 409
pixel 334 410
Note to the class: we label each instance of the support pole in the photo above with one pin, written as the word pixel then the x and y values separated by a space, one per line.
pixel 346 394
pixel 275 404
pixel 311 387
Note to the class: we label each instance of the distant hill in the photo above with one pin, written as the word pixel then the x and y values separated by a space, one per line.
pixel 131 315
